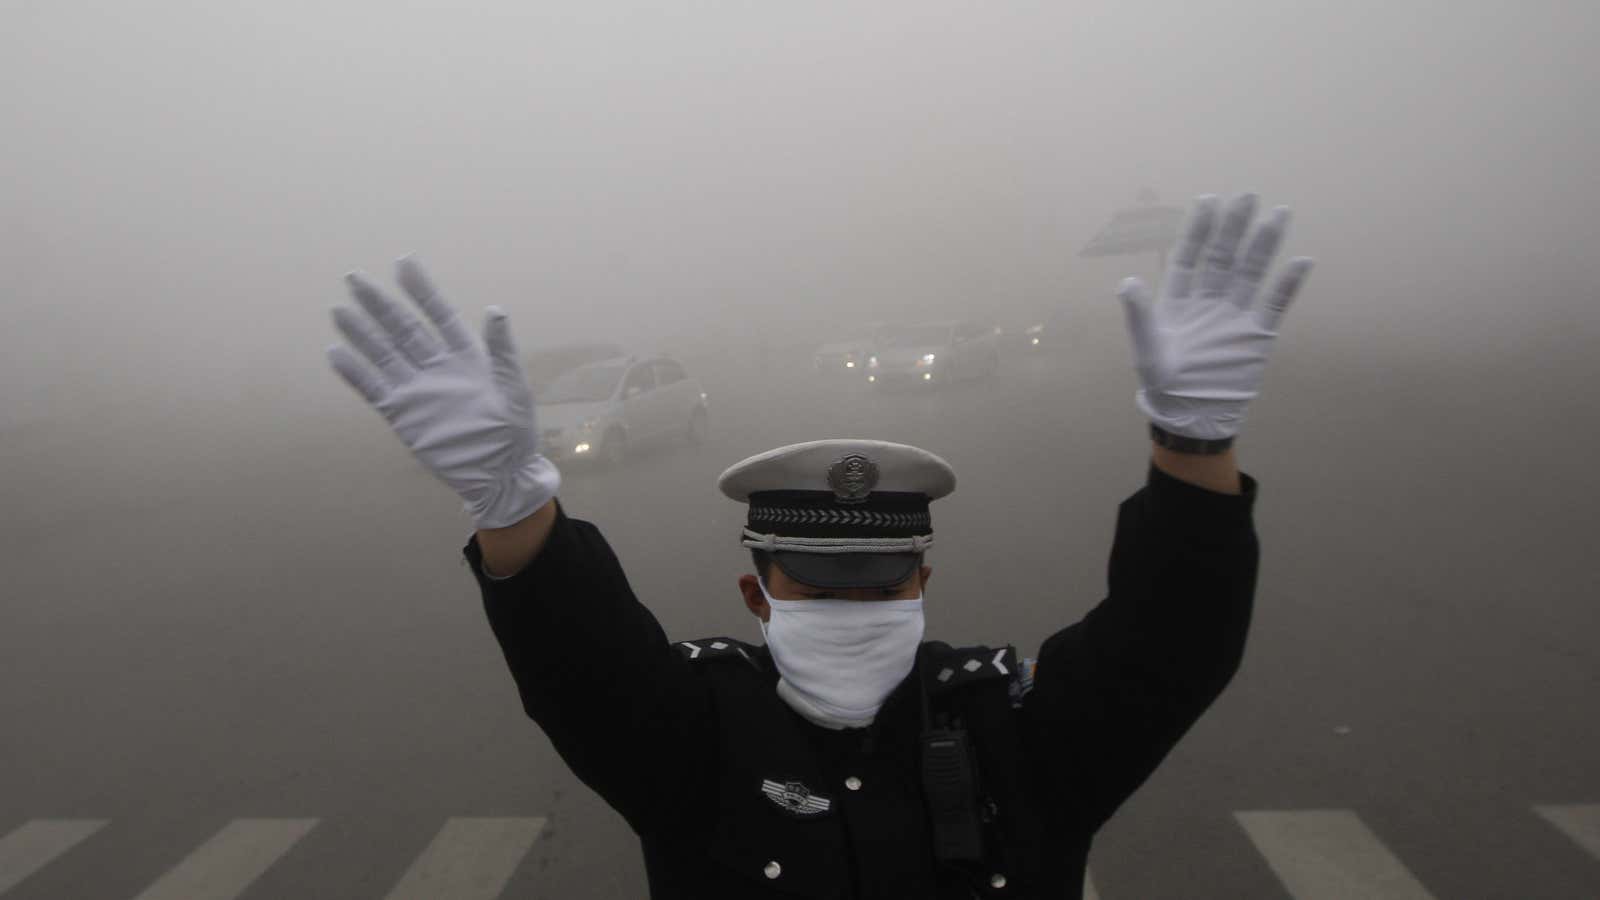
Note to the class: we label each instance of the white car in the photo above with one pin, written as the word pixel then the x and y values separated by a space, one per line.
pixel 603 410
pixel 934 353
pixel 1051 335
pixel 848 356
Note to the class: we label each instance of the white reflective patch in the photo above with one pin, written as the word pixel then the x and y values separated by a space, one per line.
pixel 692 647
pixel 997 657
pixel 972 665
pixel 719 646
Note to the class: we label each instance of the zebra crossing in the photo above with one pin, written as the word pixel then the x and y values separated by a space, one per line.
pixel 225 865
pixel 1317 854
pixel 1324 853
pixel 33 845
pixel 469 858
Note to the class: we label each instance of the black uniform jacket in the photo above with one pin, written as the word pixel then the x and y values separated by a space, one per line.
pixel 734 795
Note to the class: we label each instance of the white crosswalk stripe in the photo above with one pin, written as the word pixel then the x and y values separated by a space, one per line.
pixel 469 859
pixel 1329 854
pixel 222 867
pixel 1317 854
pixel 31 846
pixel 1579 821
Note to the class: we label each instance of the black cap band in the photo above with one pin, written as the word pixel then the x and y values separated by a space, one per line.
pixel 819 514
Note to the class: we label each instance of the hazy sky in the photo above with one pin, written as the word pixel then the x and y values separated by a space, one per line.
pixel 182 184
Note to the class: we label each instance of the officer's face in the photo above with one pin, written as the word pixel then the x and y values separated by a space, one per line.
pixel 782 587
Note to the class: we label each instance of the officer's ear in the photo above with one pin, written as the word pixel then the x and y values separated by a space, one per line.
pixel 754 600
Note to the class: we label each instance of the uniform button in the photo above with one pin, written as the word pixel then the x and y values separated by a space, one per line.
pixel 853 783
pixel 997 880
pixel 773 870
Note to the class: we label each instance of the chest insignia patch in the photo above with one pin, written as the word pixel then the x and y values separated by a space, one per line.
pixel 795 798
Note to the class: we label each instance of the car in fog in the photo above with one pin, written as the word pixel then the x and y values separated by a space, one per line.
pixel 934 353
pixel 604 410
pixel 546 364
pixel 847 356
pixel 1049 336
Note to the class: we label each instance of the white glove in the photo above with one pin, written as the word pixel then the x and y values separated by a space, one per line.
pixel 465 414
pixel 1201 351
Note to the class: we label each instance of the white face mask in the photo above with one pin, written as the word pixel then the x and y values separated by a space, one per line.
pixel 839 659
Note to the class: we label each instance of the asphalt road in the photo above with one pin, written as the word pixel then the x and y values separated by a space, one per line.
pixel 242 656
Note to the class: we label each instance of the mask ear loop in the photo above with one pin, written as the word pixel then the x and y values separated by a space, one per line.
pixel 761 583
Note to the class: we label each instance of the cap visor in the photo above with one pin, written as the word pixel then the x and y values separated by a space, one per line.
pixel 846 570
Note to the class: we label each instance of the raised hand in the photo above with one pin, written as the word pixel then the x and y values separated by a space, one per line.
pixel 1201 349
pixel 463 409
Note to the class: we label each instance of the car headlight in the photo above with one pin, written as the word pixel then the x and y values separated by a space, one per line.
pixel 927 359
pixel 872 362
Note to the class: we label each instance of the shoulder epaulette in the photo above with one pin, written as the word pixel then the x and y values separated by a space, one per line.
pixel 947 667
pixel 1023 683
pixel 718 648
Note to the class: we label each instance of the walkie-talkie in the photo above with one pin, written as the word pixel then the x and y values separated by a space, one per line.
pixel 950 783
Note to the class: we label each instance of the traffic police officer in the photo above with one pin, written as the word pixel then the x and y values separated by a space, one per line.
pixel 847 757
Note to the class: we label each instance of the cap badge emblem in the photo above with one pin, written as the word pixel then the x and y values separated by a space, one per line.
pixel 853 478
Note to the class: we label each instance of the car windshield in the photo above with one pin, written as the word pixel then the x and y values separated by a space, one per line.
pixel 545 366
pixel 589 384
pixel 921 336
